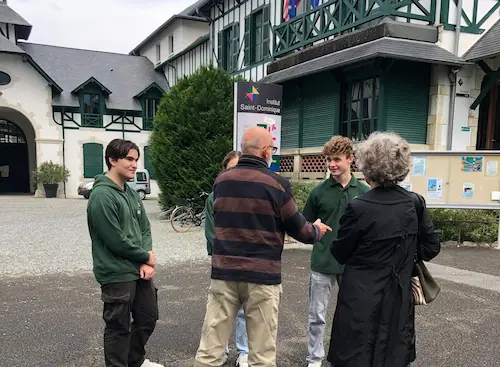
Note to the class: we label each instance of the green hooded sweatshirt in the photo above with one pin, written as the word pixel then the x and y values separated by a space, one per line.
pixel 120 232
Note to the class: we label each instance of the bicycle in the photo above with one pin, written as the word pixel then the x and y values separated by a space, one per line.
pixel 166 214
pixel 192 212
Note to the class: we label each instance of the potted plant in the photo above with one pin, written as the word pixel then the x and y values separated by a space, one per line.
pixel 49 175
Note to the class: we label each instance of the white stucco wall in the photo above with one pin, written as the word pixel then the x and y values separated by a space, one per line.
pixel 184 32
pixel 74 153
pixel 466 40
pixel 188 63
pixel 27 102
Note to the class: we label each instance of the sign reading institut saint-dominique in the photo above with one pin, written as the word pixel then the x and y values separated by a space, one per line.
pixel 258 104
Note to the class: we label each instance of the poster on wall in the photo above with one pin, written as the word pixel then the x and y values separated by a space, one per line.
pixel 258 104
pixel 434 188
pixel 419 166
pixel 472 164
pixel 406 185
pixel 492 168
pixel 468 191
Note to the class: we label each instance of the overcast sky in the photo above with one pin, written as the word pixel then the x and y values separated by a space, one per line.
pixel 104 25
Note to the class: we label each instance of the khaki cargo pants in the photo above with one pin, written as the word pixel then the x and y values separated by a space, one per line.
pixel 261 305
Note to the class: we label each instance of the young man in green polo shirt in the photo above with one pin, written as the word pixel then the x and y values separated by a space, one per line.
pixel 328 201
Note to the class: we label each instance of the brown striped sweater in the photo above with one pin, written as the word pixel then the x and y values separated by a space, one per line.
pixel 253 208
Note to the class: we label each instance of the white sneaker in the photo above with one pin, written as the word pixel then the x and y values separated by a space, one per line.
pixel 242 360
pixel 148 363
pixel 314 364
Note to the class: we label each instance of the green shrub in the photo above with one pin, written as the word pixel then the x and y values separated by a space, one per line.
pixel 301 192
pixel 454 224
pixel 193 131
pixel 466 224
pixel 50 173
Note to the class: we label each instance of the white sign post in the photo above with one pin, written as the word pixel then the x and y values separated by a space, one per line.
pixel 258 104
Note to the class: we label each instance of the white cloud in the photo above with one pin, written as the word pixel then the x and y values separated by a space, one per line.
pixel 104 25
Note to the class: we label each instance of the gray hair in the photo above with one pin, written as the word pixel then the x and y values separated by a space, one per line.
pixel 252 145
pixel 384 158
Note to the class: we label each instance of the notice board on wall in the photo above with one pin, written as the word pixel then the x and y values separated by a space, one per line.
pixel 444 178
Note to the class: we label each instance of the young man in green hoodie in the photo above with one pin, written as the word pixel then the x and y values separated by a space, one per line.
pixel 328 201
pixel 123 260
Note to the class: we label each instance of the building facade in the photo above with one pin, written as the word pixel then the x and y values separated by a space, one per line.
pixel 65 105
pixel 355 66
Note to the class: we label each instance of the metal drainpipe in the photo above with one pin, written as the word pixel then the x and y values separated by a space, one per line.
pixel 453 80
pixel 453 76
pixel 64 144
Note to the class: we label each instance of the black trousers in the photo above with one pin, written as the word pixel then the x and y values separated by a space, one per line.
pixel 125 339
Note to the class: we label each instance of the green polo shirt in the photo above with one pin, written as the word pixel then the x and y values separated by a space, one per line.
pixel 328 202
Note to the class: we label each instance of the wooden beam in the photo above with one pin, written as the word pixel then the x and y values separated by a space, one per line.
pixel 494 81
pixel 484 67
pixel 490 131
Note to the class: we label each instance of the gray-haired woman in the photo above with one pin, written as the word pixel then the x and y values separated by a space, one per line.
pixel 377 241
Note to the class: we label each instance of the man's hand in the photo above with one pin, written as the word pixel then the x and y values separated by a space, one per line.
pixel 146 271
pixel 322 227
pixel 152 259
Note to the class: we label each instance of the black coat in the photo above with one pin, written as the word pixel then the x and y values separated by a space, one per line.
pixel 375 315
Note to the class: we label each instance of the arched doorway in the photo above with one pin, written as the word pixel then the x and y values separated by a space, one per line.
pixel 14 159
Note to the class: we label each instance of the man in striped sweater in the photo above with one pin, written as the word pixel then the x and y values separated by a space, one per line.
pixel 253 209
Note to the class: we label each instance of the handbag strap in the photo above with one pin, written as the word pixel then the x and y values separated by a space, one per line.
pixel 419 208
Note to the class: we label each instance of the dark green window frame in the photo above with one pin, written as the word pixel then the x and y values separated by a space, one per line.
pixel 228 47
pixel 359 102
pixel 93 156
pixel 150 109
pixel 257 36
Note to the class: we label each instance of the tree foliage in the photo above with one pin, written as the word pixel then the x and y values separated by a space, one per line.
pixel 193 132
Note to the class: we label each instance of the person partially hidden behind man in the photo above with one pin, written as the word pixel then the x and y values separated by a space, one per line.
pixel 123 259
pixel 253 208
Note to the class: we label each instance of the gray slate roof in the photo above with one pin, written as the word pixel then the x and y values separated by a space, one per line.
pixel 9 46
pixel 124 75
pixel 384 47
pixel 7 15
pixel 487 46
pixel 191 10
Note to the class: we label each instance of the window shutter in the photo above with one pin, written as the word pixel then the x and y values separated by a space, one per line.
pixel 248 40
pixel 235 47
pixel 92 160
pixel 220 56
pixel 266 52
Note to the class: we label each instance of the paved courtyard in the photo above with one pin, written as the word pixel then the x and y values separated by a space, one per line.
pixel 50 311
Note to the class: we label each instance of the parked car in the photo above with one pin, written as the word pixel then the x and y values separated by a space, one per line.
pixel 141 183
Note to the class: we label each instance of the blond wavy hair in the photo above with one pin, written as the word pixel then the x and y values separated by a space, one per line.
pixel 384 158
pixel 338 145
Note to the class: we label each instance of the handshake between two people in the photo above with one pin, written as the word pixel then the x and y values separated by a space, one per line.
pixel 147 270
pixel 322 227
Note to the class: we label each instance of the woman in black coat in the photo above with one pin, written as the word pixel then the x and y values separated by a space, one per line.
pixel 377 241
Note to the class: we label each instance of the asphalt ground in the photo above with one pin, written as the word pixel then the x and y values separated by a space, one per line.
pixel 52 315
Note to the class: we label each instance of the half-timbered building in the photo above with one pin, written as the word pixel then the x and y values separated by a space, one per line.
pixel 65 105
pixel 355 66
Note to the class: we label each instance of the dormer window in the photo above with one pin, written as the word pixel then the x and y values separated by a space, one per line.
pixel 91 96
pixel 150 100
